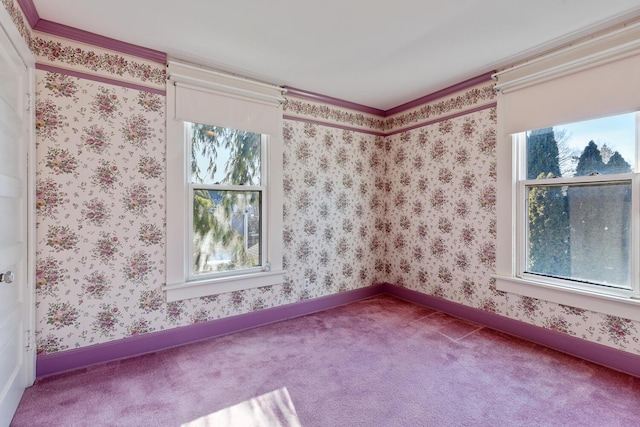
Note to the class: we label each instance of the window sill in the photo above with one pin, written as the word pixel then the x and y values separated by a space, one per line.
pixel 220 285
pixel 625 307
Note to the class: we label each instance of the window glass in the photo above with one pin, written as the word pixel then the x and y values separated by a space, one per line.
pixel 226 230
pixel 577 222
pixel 580 232
pixel 226 222
pixel 224 156
pixel 594 147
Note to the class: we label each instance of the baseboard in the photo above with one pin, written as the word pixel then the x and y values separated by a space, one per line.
pixel 56 363
pixel 619 360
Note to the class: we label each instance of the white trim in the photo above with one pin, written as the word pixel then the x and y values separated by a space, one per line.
pixel 589 53
pixel 626 307
pixel 29 61
pixel 179 286
pixel 201 78
pixel 552 90
pixel 30 300
pixel 201 288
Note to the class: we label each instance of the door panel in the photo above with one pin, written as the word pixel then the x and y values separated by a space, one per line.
pixel 16 298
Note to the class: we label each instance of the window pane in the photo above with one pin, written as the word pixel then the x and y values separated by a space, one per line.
pixel 580 232
pixel 223 155
pixel 603 147
pixel 226 230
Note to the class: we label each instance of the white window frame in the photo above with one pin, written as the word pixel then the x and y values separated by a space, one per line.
pixel 264 194
pixel 633 179
pixel 239 92
pixel 578 75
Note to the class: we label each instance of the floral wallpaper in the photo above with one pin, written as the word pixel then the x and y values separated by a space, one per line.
pixel 441 228
pixel 331 208
pixel 57 52
pixel 415 208
pixel 100 187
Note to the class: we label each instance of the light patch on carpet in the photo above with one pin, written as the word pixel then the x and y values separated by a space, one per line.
pixel 274 409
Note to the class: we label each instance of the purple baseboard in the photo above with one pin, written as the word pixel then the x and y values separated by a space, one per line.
pixel 607 356
pixel 56 363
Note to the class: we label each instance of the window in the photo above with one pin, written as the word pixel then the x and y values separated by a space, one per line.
pixel 568 207
pixel 576 205
pixel 226 193
pixel 224 183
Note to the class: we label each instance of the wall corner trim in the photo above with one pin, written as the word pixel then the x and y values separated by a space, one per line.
pixel 466 84
pixel 30 12
pixel 57 363
pixel 618 360
pixel 312 96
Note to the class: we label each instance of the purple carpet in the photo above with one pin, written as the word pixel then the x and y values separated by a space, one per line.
pixel 376 362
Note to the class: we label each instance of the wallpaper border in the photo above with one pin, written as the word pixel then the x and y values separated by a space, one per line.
pixel 324 99
pixel 443 93
pixel 70 54
pixel 33 18
pixel 465 98
pixel 93 77
pixel 332 125
pixel 442 119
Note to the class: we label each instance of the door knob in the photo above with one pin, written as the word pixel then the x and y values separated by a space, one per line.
pixel 7 277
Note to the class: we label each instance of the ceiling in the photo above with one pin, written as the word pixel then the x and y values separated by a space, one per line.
pixel 376 53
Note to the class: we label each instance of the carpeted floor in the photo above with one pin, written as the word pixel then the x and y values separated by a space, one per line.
pixel 376 362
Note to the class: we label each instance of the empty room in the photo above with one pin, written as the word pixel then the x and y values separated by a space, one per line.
pixel 320 214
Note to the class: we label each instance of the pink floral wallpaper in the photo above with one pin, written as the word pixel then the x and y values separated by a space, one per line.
pixel 441 209
pixel 440 229
pixel 100 189
pixel 100 216
pixel 415 208
pixel 332 208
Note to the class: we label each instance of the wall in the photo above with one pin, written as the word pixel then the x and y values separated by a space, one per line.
pixel 408 199
pixel 101 214
pixel 442 232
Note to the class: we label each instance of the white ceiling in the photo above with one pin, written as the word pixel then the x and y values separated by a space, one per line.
pixel 377 53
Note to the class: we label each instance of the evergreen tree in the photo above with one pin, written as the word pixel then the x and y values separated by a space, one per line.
pixel 548 218
pixel 617 164
pixel 548 231
pixel 214 210
pixel 590 161
pixel 542 154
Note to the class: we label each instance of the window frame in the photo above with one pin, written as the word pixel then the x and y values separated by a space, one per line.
pixel 511 239
pixel 633 178
pixel 565 85
pixel 181 284
pixel 262 189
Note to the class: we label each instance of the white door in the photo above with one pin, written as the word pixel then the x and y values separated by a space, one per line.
pixel 16 284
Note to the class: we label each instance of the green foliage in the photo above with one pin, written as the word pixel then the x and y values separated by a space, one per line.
pixel 617 164
pixel 542 154
pixel 214 210
pixel 560 217
pixel 590 161
pixel 548 217
pixel 549 249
